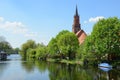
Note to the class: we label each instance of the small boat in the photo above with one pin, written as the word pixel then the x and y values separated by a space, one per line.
pixel 3 55
pixel 105 66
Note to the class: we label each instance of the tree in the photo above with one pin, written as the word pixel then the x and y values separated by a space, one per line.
pixel 5 46
pixel 81 54
pixel 105 38
pixel 41 53
pixel 16 50
pixel 64 45
pixel 31 53
pixel 53 47
pixel 68 44
pixel 61 33
pixel 26 46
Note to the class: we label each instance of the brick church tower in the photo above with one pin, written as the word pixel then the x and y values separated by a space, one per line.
pixel 76 25
pixel 76 28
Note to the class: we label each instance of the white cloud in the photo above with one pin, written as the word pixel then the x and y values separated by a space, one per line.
pixel 94 19
pixel 1 19
pixel 16 28
pixel 32 34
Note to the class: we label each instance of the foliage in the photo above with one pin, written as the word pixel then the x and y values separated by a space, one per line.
pixel 68 44
pixel 31 50
pixel 41 53
pixel 81 54
pixel 53 47
pixel 105 38
pixel 5 46
pixel 16 50
pixel 31 53
pixel 65 44
pixel 26 46
pixel 61 33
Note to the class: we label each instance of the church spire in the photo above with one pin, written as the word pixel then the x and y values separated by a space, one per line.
pixel 76 25
pixel 76 11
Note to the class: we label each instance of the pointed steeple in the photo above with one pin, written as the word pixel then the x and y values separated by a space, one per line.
pixel 76 11
pixel 76 25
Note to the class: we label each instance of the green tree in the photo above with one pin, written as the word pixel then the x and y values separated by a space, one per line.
pixel 53 47
pixel 31 53
pixel 68 44
pixel 16 50
pixel 30 44
pixel 41 53
pixel 61 33
pixel 81 54
pixel 105 38
pixel 64 45
pixel 5 46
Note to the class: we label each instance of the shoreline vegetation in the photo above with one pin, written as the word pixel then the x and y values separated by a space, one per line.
pixel 80 62
pixel 102 45
pixel 6 47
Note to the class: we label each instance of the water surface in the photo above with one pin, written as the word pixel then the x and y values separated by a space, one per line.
pixel 16 69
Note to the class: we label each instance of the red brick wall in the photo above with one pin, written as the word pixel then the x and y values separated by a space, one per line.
pixel 81 37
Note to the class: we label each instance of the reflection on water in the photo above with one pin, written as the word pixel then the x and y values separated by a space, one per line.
pixel 16 69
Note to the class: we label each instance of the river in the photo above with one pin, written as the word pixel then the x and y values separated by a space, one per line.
pixel 16 69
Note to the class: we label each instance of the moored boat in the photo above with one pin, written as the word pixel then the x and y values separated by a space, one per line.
pixel 3 55
pixel 105 66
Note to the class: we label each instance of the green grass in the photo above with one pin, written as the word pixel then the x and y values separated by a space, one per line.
pixel 66 61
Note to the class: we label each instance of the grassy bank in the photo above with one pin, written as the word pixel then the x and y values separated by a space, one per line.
pixel 66 61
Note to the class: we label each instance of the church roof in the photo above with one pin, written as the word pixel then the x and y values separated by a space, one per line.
pixel 81 36
pixel 80 32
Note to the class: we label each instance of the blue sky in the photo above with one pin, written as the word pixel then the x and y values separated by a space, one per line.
pixel 40 20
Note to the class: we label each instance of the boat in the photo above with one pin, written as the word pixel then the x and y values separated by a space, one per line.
pixel 105 66
pixel 3 55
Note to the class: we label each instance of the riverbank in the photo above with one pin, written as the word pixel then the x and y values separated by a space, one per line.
pixel 115 64
pixel 66 61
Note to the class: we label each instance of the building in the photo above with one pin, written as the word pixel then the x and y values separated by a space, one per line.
pixel 76 28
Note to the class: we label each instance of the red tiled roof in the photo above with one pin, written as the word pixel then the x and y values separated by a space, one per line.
pixel 81 36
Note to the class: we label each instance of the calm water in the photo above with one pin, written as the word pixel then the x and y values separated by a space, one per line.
pixel 16 69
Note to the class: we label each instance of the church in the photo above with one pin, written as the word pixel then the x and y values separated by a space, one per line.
pixel 76 28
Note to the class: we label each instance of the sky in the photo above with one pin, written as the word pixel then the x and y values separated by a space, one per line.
pixel 40 20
